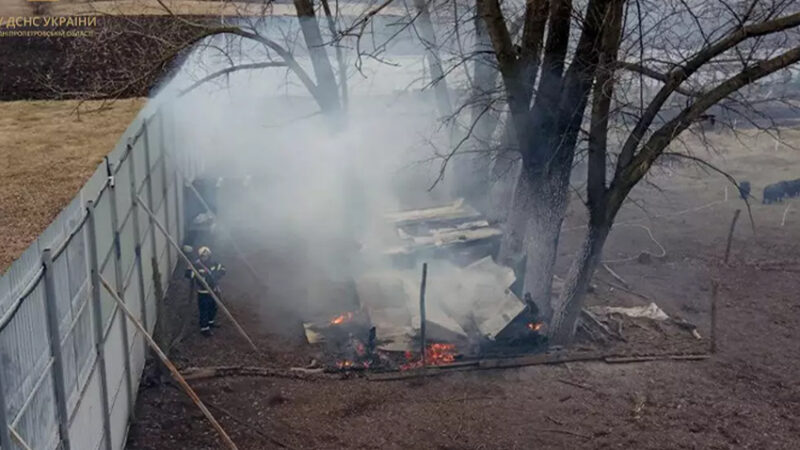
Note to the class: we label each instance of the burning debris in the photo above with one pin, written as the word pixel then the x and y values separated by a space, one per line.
pixel 535 326
pixel 342 318
pixel 435 355
pixel 472 311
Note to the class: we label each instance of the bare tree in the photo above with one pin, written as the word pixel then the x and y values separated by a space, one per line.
pixel 645 70
pixel 548 125
pixel 155 45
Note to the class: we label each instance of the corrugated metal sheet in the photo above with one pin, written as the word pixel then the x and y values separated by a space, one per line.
pixel 26 365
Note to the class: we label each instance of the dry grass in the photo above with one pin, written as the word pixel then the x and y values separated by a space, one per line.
pixel 47 154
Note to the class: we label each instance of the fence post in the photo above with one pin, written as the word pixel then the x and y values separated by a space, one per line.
pixel 137 238
pixel 97 315
pixel 178 212
pixel 5 437
pixel 150 204
pixel 120 285
pixel 165 189
pixel 51 313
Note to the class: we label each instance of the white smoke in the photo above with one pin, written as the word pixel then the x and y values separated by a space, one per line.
pixel 325 188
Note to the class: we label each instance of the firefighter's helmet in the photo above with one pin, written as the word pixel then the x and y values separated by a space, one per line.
pixel 204 252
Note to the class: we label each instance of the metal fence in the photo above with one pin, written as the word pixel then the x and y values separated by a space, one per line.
pixel 70 362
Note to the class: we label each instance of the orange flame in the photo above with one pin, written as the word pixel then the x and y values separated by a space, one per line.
pixel 347 364
pixel 435 355
pixel 342 318
pixel 535 326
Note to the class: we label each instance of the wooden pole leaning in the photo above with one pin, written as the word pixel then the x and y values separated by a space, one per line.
pixel 174 370
pixel 197 273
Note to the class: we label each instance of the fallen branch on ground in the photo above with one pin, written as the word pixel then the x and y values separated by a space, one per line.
pixel 202 373
pixel 616 276
pixel 571 433
pixel 535 360
pixel 578 385
pixel 624 289
pixel 633 359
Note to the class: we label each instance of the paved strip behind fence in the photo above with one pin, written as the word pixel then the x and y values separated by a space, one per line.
pixel 69 364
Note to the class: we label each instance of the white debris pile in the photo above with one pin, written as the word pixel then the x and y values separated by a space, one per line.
pixel 457 299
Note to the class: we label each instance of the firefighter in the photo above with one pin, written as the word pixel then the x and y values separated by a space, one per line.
pixel 211 271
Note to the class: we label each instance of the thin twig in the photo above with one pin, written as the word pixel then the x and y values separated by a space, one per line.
pixel 615 275
pixel 249 427
pixel 579 385
pixel 571 433
pixel 786 211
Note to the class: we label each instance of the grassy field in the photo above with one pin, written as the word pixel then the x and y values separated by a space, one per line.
pixel 179 7
pixel 48 153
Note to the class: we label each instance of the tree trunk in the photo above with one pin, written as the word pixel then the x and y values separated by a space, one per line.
pixel 548 206
pixel 503 177
pixel 568 306
pixel 326 81
pixel 512 245
pixel 428 36
pixel 472 173
pixel 532 231
pixel 339 55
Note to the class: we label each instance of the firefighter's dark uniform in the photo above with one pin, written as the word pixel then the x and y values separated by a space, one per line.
pixel 211 271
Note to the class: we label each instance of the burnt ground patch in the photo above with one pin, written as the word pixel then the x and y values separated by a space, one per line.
pixel 722 402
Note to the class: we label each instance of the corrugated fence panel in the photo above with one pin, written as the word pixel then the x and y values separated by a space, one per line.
pixel 115 366
pixel 86 431
pixel 158 186
pixel 127 246
pixel 24 350
pixel 116 381
pixel 147 270
pixel 84 340
pixel 95 184
pixel 18 276
pixel 105 236
pixel 132 301
pixel 38 424
pixel 138 157
pixel 27 369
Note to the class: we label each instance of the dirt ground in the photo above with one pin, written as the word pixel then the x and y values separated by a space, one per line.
pixel 747 395
pixel 47 155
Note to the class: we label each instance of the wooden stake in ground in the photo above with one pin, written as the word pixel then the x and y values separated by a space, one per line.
pixel 175 374
pixel 422 312
pixel 730 234
pixel 715 285
pixel 196 273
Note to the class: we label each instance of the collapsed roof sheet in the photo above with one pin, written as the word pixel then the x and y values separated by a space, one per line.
pixel 457 210
pixel 457 299
pixel 440 226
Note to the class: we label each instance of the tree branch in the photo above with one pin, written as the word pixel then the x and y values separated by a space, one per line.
pixel 656 75
pixel 682 73
pixel 601 107
pixel 641 163
pixel 228 70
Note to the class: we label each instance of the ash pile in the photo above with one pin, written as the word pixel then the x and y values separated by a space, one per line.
pixel 469 311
